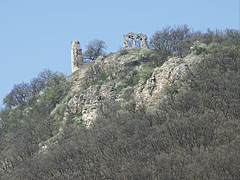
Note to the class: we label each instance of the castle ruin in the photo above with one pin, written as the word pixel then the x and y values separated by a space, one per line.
pixel 76 55
pixel 131 39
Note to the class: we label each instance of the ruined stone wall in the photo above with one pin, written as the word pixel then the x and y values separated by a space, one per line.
pixel 134 37
pixel 76 55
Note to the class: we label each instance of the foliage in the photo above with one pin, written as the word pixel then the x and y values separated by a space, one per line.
pixel 171 40
pixel 19 95
pixel 199 48
pixel 145 74
pixel 30 122
pixel 95 75
pixel 25 92
pixel 39 83
pixel 127 93
pixel 123 52
pixel 193 133
pixel 56 89
pixel 145 54
pixel 95 48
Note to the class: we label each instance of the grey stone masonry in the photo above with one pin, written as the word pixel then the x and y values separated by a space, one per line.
pixel 76 55
pixel 134 37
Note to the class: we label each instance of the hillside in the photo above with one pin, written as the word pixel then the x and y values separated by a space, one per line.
pixel 133 114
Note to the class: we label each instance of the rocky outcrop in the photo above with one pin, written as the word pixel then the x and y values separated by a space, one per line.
pixel 84 103
pixel 171 71
pixel 87 101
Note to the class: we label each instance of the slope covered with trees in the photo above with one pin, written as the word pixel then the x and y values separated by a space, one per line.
pixel 192 133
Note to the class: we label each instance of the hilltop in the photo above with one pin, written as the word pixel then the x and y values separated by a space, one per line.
pixel 134 114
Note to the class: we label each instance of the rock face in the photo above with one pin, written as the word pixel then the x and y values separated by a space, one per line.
pixel 76 55
pixel 171 71
pixel 84 103
pixel 134 37
pixel 87 101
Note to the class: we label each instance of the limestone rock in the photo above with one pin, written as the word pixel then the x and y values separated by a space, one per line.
pixel 88 100
pixel 171 71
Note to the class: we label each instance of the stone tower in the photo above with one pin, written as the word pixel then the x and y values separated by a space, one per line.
pixel 76 55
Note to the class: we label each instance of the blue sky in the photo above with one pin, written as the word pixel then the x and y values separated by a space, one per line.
pixel 36 34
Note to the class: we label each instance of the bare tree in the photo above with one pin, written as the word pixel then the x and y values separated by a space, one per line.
pixel 95 48
pixel 172 40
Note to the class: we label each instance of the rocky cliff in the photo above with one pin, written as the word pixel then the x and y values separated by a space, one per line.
pixel 138 73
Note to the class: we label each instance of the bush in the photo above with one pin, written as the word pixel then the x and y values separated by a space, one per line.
pixel 145 54
pixel 199 48
pixel 56 89
pixel 123 52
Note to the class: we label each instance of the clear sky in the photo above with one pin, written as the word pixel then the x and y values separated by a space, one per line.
pixel 36 34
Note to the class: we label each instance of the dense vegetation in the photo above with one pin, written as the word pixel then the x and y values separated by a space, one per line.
pixel 192 134
pixel 26 120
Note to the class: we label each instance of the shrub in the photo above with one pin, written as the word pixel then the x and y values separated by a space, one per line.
pixel 199 48
pixel 123 52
